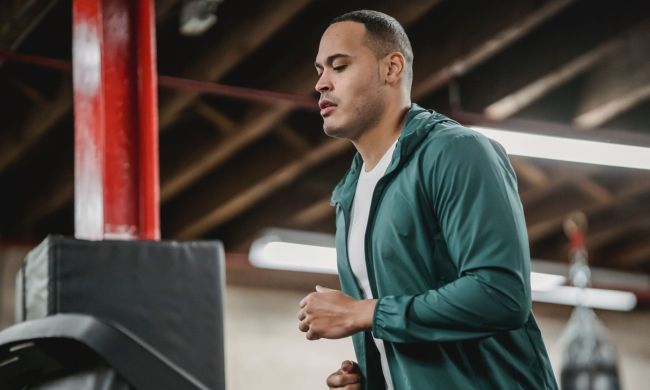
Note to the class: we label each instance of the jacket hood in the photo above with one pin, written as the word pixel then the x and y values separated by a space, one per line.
pixel 418 123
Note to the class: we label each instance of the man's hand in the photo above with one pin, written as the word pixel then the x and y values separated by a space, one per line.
pixel 331 314
pixel 348 377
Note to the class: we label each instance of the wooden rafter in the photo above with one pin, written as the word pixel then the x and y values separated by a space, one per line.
pixel 261 122
pixel 528 171
pixel 312 214
pixel 211 156
pixel 291 137
pixel 62 192
pixel 163 8
pixel 542 54
pixel 483 49
pixel 520 31
pixel 619 83
pixel 235 206
pixel 606 237
pixel 44 117
pixel 38 123
pixel 596 191
pixel 533 91
pixel 542 229
pixel 634 256
pixel 252 32
pixel 221 122
pixel 18 20
pixel 558 179
pixel 31 93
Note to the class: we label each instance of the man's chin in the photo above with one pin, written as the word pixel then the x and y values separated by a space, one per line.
pixel 333 131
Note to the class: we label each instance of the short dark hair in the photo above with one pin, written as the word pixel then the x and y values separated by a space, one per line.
pixel 384 35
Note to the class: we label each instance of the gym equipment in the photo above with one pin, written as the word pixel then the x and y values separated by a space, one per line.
pixel 161 300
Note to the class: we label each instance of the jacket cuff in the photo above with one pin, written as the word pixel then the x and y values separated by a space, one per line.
pixel 384 309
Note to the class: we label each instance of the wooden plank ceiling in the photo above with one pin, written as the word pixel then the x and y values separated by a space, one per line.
pixel 230 168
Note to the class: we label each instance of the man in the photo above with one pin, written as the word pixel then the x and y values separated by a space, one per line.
pixel 431 240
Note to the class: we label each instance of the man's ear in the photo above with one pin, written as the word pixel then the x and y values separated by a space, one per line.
pixel 395 63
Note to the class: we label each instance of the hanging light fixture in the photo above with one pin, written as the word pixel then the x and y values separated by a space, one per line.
pixel 197 16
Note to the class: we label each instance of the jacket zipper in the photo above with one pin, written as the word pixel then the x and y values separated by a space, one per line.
pixel 376 197
pixel 346 225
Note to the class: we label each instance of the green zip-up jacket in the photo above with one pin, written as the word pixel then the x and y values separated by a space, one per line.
pixel 448 259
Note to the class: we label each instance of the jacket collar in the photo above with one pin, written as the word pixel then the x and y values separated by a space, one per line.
pixel 417 124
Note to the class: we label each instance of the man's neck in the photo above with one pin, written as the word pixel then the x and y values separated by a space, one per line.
pixel 375 141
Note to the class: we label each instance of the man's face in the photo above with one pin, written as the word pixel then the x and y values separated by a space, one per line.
pixel 349 84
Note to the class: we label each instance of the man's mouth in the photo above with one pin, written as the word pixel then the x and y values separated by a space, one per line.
pixel 326 107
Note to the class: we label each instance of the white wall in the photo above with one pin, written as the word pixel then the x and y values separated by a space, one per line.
pixel 265 350
pixel 11 258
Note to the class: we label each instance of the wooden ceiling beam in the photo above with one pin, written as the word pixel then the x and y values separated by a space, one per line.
pixel 211 156
pixel 619 83
pixel 43 117
pixel 62 192
pixel 523 97
pixel 541 53
pixel 251 33
pixel 31 93
pixel 291 137
pixel 561 178
pixel 164 8
pixel 494 36
pixel 240 235
pixel 632 257
pixel 598 240
pixel 542 229
pixel 536 194
pixel 221 122
pixel 38 123
pixel 312 214
pixel 241 202
pixel 261 121
pixel 19 18
pixel 596 191
pixel 528 171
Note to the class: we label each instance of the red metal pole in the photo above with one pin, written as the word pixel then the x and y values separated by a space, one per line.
pixel 116 141
pixel 148 98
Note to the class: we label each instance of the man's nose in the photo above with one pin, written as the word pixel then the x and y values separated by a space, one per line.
pixel 323 84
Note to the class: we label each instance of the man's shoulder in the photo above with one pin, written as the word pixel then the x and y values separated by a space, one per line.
pixel 446 132
pixel 437 127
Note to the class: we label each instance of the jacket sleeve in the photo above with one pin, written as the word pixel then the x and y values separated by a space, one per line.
pixel 474 195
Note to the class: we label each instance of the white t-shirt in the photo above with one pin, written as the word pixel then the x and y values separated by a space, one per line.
pixel 357 233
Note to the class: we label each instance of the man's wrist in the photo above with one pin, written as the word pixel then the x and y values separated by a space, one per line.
pixel 364 311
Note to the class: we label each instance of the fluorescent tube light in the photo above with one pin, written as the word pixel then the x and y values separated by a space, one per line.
pixel 591 297
pixel 569 149
pixel 283 249
pixel 545 282
pixel 294 257
pixel 310 258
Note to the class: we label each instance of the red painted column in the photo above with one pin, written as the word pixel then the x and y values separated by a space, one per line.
pixel 116 120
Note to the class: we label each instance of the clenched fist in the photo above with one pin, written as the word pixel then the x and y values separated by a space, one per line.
pixel 331 314
pixel 348 377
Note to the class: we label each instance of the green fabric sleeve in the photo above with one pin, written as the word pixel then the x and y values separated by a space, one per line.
pixel 474 195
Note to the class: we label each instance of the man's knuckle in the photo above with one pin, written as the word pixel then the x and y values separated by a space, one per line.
pixel 333 380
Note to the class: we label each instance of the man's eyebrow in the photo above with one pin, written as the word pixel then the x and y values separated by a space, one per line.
pixel 331 59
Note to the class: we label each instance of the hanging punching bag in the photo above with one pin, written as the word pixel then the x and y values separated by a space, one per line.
pixel 589 359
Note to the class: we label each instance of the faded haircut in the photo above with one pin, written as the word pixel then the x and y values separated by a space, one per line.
pixel 384 35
